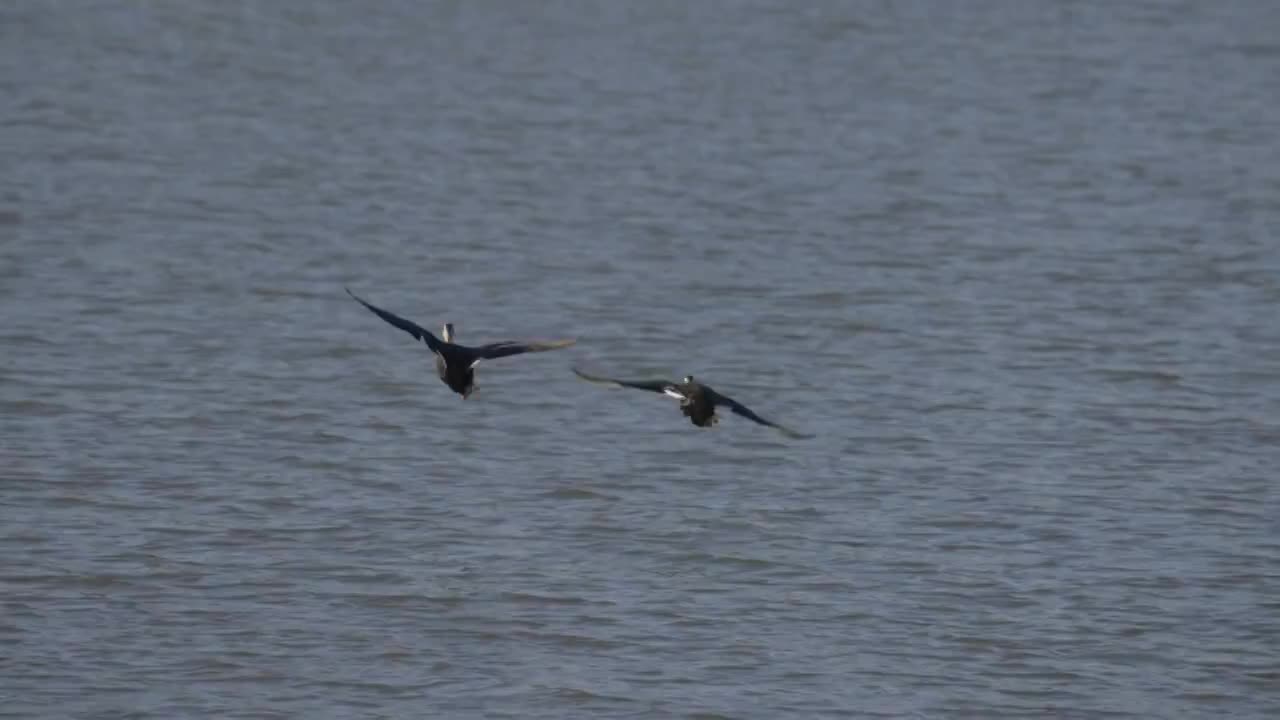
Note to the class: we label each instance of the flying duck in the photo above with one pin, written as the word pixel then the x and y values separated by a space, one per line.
pixel 697 401
pixel 455 364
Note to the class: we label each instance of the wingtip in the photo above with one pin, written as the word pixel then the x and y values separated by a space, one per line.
pixel 584 376
pixel 356 297
pixel 543 345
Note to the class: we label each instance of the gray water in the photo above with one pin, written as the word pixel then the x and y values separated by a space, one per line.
pixel 1014 264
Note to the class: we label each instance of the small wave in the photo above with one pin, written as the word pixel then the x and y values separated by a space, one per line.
pixel 576 493
pixel 1137 375
pixel 567 640
pixel 538 599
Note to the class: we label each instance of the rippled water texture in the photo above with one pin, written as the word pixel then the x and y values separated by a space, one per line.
pixel 1015 264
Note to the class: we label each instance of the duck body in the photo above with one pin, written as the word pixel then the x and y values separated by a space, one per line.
pixel 698 402
pixel 456 370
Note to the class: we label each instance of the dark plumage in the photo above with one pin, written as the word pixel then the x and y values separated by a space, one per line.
pixel 455 364
pixel 698 402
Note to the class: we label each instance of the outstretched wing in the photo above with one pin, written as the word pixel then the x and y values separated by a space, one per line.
pixel 740 409
pixel 417 331
pixel 503 349
pixel 658 386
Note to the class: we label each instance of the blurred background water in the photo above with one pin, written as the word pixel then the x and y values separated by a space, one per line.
pixel 1014 264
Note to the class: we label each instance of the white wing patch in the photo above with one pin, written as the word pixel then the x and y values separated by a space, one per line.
pixel 476 362
pixel 672 392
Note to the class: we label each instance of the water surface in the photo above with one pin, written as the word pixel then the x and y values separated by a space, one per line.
pixel 1014 264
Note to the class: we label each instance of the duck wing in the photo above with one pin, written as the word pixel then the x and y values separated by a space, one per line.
pixel 740 409
pixel 417 331
pixel 507 347
pixel 658 386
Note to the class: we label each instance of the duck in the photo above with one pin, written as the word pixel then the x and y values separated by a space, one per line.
pixel 456 363
pixel 698 402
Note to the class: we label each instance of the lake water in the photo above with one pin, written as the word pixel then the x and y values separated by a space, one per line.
pixel 1014 264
